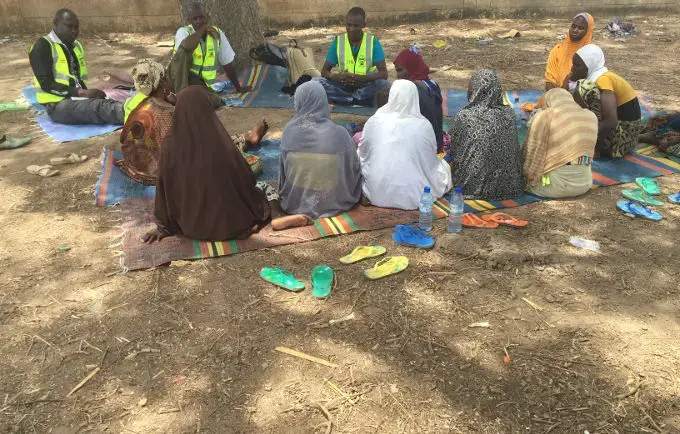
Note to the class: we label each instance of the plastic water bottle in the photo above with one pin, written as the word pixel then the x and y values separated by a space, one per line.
pixel 457 205
pixel 425 217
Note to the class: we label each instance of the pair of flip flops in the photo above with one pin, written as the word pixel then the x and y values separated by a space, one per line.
pixel 411 236
pixel 383 268
pixel 636 209
pixel 322 280
pixel 492 221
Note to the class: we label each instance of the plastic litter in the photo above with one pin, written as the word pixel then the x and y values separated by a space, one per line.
pixel 582 243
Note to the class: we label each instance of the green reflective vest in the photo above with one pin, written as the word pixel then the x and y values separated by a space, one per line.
pixel 132 103
pixel 205 64
pixel 363 64
pixel 62 75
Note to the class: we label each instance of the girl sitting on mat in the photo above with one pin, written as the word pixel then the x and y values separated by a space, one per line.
pixel 319 172
pixel 559 148
pixel 486 157
pixel 148 120
pixel 398 153
pixel 206 189
pixel 611 98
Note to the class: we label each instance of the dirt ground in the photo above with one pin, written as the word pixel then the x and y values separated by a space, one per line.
pixel 190 347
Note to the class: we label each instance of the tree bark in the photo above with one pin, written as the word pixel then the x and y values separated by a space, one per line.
pixel 238 19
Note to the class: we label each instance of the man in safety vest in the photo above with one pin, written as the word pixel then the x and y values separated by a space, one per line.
pixel 60 77
pixel 200 51
pixel 360 61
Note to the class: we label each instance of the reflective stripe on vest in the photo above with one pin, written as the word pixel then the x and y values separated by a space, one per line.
pixel 132 103
pixel 205 65
pixel 363 64
pixel 60 70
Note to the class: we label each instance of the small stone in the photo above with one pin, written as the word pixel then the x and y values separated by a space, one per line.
pixel 393 388
pixel 142 402
pixel 59 218
pixel 645 328
pixel 550 298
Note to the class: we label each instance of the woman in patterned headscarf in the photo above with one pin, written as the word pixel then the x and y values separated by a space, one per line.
pixel 484 146
pixel 148 119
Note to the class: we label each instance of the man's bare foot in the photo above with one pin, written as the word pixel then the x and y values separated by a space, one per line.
pixel 291 221
pixel 254 136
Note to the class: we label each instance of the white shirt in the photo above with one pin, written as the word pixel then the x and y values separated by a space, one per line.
pixel 226 54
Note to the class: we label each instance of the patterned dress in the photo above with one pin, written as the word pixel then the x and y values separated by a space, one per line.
pixel 485 152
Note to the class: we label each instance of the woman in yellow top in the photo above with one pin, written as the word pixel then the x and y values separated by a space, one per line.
pixel 558 67
pixel 611 98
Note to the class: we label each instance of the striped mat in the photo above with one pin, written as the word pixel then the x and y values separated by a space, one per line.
pixel 137 216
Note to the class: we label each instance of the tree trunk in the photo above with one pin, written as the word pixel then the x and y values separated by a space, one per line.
pixel 238 19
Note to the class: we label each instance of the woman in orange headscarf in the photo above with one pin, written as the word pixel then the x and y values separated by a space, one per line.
pixel 580 34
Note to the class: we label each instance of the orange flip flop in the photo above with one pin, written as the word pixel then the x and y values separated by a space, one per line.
pixel 473 221
pixel 505 219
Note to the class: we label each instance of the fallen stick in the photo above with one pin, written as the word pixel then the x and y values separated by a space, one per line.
pixel 649 418
pixel 328 416
pixel 85 380
pixel 305 356
pixel 349 317
pixel 532 304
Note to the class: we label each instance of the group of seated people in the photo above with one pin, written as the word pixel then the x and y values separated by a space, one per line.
pixel 206 188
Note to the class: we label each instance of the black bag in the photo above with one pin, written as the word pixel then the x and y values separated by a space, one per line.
pixel 270 54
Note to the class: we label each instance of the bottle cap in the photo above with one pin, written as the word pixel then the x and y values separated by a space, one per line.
pixel 459 189
pixel 427 189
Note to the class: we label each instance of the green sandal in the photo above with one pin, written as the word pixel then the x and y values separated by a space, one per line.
pixel 322 281
pixel 649 185
pixel 639 195
pixel 282 279
pixel 9 142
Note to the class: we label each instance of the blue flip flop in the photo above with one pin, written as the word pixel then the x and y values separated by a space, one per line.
pixel 322 281
pixel 638 210
pixel 675 198
pixel 407 235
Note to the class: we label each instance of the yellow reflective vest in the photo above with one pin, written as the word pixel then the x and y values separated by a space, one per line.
pixel 132 103
pixel 205 64
pixel 363 64
pixel 62 74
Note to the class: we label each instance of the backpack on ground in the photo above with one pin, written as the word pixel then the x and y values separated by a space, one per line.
pixel 269 53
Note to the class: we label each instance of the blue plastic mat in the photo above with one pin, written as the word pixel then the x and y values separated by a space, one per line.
pixel 61 132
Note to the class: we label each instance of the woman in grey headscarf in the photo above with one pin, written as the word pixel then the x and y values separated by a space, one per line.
pixel 320 173
pixel 484 147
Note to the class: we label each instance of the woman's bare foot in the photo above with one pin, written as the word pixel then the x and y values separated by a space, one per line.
pixel 152 236
pixel 254 136
pixel 255 229
pixel 291 221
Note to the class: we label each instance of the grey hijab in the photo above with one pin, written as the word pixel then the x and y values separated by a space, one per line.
pixel 484 146
pixel 319 172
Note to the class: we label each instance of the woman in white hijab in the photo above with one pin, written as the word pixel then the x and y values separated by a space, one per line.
pixel 398 153
pixel 611 98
